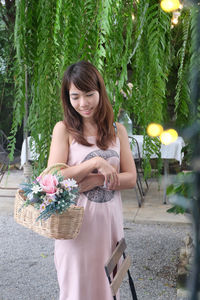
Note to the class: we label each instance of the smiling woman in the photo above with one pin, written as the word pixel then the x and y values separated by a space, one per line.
pixel 83 79
pixel 84 103
pixel 99 158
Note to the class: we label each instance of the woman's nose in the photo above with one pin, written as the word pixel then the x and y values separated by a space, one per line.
pixel 83 101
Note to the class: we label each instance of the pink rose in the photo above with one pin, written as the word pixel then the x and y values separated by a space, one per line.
pixel 49 184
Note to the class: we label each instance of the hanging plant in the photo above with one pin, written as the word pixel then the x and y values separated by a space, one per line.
pixel 51 35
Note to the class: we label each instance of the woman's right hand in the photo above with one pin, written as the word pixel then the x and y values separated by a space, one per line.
pixel 108 171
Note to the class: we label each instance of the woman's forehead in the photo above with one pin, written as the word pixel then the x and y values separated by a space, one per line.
pixel 74 90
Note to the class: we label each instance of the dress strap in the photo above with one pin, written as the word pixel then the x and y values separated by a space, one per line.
pixel 115 126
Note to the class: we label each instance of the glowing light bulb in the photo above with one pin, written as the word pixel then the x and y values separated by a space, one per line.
pixel 174 134
pixel 168 136
pixel 154 129
pixel 165 138
pixel 170 5
pixel 133 17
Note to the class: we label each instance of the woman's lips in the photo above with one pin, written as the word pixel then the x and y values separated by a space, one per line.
pixel 86 112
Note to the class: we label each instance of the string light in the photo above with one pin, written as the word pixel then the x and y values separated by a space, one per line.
pixel 154 129
pixel 170 5
pixel 133 17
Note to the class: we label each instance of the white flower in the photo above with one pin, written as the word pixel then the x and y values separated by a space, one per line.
pixel 48 201
pixel 59 191
pixel 69 183
pixel 36 189
pixel 52 197
pixel 42 207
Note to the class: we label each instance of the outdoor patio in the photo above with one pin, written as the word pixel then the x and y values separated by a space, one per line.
pixel 154 238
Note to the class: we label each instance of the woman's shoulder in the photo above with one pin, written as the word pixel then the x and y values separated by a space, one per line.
pixel 60 129
pixel 60 125
pixel 121 130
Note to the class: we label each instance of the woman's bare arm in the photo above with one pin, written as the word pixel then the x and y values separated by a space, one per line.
pixel 59 152
pixel 127 176
pixel 91 181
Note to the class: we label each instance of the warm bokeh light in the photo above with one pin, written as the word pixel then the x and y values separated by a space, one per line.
pixel 154 129
pixel 174 134
pixel 175 21
pixel 170 5
pixel 168 136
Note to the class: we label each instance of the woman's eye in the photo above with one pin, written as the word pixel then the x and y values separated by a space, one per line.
pixel 74 98
pixel 89 95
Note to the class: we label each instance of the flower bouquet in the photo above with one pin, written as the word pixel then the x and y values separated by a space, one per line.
pixel 50 194
pixel 47 205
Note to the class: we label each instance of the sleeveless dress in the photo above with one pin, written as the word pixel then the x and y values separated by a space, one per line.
pixel 80 262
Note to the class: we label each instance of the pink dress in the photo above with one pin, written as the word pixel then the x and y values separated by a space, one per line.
pixel 80 262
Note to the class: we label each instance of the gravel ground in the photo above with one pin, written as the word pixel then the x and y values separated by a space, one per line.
pixel 27 269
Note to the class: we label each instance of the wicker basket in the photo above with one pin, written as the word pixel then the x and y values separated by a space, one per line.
pixel 59 226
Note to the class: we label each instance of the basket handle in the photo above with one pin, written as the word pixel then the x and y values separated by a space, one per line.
pixel 54 168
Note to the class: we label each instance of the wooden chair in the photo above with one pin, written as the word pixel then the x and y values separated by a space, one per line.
pixel 119 273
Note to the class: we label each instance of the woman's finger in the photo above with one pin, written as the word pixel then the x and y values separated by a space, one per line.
pixel 114 181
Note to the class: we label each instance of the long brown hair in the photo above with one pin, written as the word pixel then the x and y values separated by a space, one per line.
pixel 87 78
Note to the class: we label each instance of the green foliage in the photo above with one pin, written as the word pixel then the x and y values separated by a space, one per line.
pixel 182 192
pixel 7 53
pixel 195 64
pixel 150 64
pixel 182 89
pixel 50 35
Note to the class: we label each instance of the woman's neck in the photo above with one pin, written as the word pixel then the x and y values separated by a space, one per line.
pixel 89 128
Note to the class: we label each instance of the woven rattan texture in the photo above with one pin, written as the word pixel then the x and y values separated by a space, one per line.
pixel 60 226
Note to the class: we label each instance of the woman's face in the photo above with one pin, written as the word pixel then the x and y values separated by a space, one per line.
pixel 84 103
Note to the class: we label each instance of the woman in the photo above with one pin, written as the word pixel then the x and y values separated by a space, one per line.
pixel 99 158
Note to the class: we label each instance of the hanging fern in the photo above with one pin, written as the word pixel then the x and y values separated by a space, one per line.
pixel 195 65
pixel 182 89
pixel 50 35
pixel 21 56
pixel 150 62
pixel 120 37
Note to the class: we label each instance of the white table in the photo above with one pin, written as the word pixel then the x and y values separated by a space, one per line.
pixel 171 151
pixel 32 155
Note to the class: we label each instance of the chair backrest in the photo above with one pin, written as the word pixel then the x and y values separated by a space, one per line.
pixel 134 143
pixel 3 141
pixel 119 272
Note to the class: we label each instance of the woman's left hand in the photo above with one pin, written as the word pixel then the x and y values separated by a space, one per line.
pixel 90 182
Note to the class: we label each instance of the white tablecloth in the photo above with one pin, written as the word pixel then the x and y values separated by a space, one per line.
pixel 32 155
pixel 171 151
